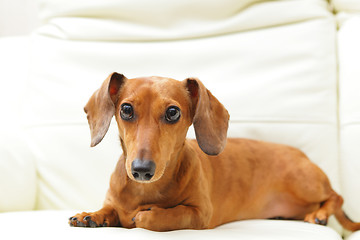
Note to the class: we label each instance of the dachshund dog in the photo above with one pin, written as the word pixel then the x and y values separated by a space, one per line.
pixel 164 181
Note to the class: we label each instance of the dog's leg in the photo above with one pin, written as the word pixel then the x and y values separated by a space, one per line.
pixel 327 208
pixel 312 187
pixel 105 217
pixel 179 217
pixel 312 191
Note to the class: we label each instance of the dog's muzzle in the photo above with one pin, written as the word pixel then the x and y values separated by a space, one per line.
pixel 143 170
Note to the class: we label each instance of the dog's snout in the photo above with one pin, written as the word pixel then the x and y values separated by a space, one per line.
pixel 143 170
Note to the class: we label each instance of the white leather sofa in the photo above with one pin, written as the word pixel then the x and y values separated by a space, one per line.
pixel 288 71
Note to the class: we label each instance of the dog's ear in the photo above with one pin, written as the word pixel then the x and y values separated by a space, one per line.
pixel 210 118
pixel 101 106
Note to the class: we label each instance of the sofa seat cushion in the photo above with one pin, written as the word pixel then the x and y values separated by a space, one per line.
pixel 354 236
pixel 53 225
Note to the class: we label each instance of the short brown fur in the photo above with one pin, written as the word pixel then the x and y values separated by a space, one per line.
pixel 204 183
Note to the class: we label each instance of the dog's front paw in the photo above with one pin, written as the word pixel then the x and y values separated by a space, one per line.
pixel 101 218
pixel 148 219
pixel 88 220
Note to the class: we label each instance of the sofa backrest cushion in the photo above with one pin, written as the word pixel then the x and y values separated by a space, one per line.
pixel 272 64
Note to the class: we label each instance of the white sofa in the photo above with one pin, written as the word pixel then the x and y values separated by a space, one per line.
pixel 288 71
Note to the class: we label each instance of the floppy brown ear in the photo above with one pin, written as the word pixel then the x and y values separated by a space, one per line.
pixel 101 107
pixel 210 118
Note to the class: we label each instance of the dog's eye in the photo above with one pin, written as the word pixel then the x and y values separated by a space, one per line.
pixel 172 114
pixel 126 111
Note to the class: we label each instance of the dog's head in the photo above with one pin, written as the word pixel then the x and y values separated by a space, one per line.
pixel 153 115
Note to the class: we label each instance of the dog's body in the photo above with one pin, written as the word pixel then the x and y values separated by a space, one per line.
pixel 165 182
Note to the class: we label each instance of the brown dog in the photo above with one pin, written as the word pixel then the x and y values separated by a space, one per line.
pixel 165 182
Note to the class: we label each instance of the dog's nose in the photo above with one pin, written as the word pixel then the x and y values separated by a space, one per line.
pixel 143 170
